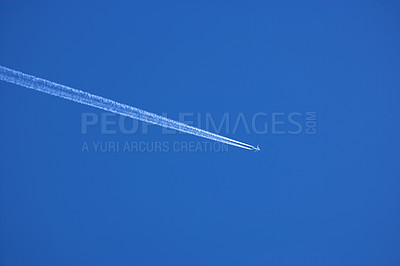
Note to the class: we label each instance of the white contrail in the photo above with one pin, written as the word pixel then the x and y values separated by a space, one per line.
pixel 71 94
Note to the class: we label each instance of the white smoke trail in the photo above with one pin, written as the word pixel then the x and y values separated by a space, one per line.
pixel 71 94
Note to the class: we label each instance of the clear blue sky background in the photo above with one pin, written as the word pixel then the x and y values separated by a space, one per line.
pixel 328 199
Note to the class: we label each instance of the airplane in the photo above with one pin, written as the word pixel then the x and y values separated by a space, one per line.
pixel 257 149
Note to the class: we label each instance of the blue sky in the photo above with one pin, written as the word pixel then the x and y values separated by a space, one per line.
pixel 330 198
